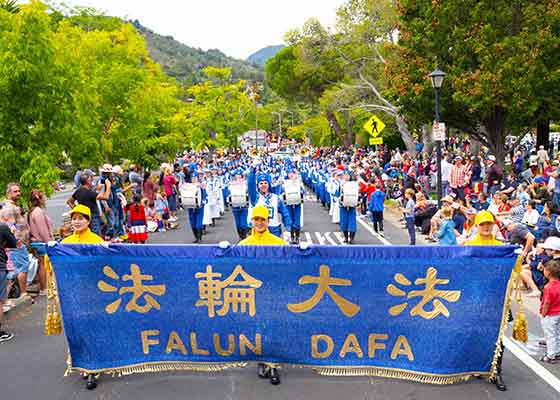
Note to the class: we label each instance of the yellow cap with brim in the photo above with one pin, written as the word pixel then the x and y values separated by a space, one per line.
pixel 81 209
pixel 484 216
pixel 259 212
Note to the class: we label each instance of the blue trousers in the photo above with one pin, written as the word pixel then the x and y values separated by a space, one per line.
pixel 276 230
pixel 295 216
pixel 195 217
pixel 410 228
pixel 240 216
pixel 348 219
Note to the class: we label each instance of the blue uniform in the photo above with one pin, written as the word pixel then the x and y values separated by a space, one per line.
pixel 197 214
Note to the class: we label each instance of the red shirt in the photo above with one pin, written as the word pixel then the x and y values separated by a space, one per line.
pixel 552 297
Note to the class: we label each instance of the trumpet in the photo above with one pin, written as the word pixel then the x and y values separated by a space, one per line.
pixel 253 153
pixel 304 152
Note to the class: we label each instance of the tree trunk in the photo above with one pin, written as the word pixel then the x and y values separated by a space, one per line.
pixel 543 133
pixel 495 134
pixel 405 134
pixel 427 139
pixel 349 138
pixel 331 117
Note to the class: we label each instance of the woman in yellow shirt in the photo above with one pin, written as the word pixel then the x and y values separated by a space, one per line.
pixel 81 218
pixel 261 236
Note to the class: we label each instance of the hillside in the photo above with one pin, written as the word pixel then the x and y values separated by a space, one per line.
pixel 186 63
pixel 263 55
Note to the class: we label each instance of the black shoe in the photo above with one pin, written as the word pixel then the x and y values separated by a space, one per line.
pixel 263 371
pixel 499 382
pixel 195 234
pixel 352 235
pixel 274 376
pixel 5 336
pixel 199 236
pixel 345 237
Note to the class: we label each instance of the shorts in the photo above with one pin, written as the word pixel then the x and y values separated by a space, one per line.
pixel 3 285
pixel 20 259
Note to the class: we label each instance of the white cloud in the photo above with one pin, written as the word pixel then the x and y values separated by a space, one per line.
pixel 237 28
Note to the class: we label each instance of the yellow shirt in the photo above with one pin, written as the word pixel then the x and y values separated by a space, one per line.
pixel 86 237
pixel 478 241
pixel 264 239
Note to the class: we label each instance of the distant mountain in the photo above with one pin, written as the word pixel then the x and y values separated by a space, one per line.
pixel 186 63
pixel 263 55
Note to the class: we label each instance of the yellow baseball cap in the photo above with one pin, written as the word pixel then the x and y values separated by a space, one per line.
pixel 484 216
pixel 259 211
pixel 81 209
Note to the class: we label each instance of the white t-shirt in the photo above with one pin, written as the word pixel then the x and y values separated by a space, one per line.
pixel 445 170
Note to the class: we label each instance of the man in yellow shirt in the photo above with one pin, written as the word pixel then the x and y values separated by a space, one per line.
pixel 262 236
pixel 485 222
pixel 81 218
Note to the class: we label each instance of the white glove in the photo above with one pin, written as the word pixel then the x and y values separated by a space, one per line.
pixel 52 243
pixel 224 244
pixel 304 245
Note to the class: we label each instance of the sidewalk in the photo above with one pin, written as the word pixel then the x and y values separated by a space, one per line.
pixel 13 306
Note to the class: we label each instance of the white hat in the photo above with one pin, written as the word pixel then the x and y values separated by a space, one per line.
pixel 106 168
pixel 117 170
pixel 552 243
pixel 491 158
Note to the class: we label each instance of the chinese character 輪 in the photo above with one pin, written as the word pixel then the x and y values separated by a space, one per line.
pixel 237 294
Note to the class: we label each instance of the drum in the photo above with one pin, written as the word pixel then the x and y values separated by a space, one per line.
pixel 350 194
pixel 191 195
pixel 239 197
pixel 292 193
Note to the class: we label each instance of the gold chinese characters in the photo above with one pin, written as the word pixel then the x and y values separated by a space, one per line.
pixel 237 294
pixel 324 283
pixel 138 289
pixel 428 294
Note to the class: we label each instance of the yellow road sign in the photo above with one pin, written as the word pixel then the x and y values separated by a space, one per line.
pixel 375 140
pixel 374 126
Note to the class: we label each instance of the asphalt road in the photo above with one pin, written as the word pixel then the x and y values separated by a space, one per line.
pixel 32 365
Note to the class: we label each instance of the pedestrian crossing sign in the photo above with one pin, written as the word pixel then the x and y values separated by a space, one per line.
pixel 375 140
pixel 374 126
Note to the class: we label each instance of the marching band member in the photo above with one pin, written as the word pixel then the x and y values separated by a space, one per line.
pixel 240 214
pixel 295 210
pixel 333 186
pixel 196 214
pixel 347 213
pixel 259 194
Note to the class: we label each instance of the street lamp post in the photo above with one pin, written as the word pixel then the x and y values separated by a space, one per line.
pixel 437 79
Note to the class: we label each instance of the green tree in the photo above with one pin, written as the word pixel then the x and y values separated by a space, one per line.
pixel 500 56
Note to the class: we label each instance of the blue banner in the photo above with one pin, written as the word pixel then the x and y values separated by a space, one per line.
pixel 431 314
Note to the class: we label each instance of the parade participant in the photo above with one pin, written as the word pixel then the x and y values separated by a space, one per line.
pixel 348 224
pixel 81 219
pixel 259 194
pixel 376 206
pixel 333 187
pixel 485 222
pixel 196 214
pixel 261 236
pixel 295 210
pixel 240 214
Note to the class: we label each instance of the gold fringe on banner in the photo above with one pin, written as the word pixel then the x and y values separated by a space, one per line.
pixel 520 326
pixel 397 374
pixel 53 323
pixel 505 315
pixel 158 367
